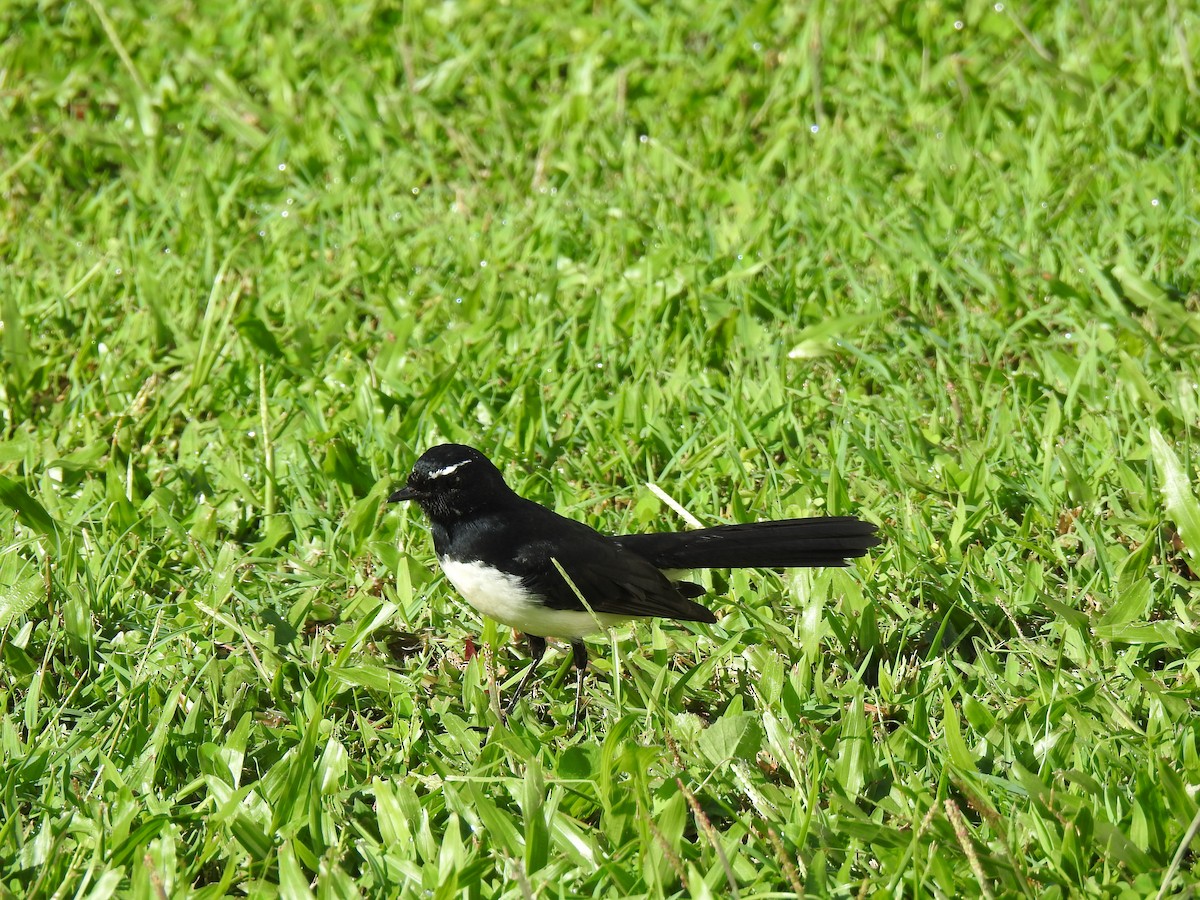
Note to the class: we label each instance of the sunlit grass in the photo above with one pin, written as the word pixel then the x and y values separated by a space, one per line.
pixel 935 267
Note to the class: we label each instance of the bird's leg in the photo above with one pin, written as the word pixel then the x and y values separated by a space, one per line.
pixel 537 649
pixel 579 654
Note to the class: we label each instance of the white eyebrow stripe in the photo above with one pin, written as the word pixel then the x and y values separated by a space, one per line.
pixel 448 470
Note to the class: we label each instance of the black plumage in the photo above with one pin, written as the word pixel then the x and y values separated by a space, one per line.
pixel 507 555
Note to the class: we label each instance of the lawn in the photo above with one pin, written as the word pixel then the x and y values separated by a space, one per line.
pixel 932 265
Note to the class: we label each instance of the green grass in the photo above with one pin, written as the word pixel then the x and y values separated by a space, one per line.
pixel 774 260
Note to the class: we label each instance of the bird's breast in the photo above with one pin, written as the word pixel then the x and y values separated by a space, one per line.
pixel 503 597
pixel 494 593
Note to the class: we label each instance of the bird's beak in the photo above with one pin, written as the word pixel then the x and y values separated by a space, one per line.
pixel 405 493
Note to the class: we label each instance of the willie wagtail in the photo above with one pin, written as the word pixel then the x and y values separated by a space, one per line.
pixel 507 556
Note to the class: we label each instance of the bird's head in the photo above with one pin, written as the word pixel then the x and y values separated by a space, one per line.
pixel 451 480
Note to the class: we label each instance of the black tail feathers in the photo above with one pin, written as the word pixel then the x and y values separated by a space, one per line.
pixel 821 541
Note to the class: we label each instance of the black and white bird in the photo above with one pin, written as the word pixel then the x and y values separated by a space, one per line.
pixel 507 557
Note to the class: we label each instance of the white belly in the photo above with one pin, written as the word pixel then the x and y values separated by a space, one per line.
pixel 500 596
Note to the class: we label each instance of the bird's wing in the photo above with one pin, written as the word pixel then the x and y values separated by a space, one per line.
pixel 611 579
